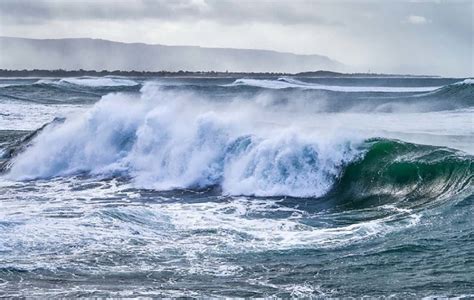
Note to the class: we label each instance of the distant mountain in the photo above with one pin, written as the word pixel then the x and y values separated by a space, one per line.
pixel 95 54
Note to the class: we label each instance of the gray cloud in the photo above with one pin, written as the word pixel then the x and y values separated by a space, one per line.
pixel 384 36
pixel 225 11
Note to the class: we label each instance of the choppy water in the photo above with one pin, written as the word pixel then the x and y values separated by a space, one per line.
pixel 249 187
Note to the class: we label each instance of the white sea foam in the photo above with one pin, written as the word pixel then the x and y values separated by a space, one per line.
pixel 189 229
pixel 465 81
pixel 46 81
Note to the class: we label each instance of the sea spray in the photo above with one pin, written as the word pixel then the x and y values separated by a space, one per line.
pixel 164 143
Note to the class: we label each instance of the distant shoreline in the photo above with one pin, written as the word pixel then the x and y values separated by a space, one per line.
pixel 79 73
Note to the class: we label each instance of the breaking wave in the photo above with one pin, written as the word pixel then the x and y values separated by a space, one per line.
pixel 284 83
pixel 99 82
pixel 90 82
pixel 67 90
pixel 169 141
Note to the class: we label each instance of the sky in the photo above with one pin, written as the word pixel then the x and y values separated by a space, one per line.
pixel 416 37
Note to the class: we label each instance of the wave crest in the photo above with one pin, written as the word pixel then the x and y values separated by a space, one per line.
pixel 99 81
pixel 164 140
pixel 284 83
pixel 165 144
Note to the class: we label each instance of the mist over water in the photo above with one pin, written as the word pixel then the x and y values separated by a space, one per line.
pixel 274 186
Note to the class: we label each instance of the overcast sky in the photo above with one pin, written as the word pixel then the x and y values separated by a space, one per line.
pixel 428 37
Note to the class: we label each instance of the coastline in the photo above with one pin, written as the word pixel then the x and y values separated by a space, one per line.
pixel 80 72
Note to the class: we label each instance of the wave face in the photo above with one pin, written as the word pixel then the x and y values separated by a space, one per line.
pixel 408 172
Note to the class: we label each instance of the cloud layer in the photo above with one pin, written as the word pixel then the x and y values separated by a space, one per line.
pixel 383 36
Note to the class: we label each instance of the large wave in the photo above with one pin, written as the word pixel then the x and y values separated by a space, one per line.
pixel 165 144
pixel 164 140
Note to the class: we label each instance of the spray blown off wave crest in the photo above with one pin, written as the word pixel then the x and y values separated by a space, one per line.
pixel 166 141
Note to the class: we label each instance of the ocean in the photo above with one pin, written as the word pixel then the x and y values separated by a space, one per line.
pixel 237 187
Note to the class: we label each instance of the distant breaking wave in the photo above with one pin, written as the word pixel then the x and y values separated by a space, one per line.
pixel 284 83
pixel 91 82
pixel 99 82
pixel 270 93
pixel 65 91
pixel 280 83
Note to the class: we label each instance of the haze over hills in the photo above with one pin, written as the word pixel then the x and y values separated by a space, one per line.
pixel 95 54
